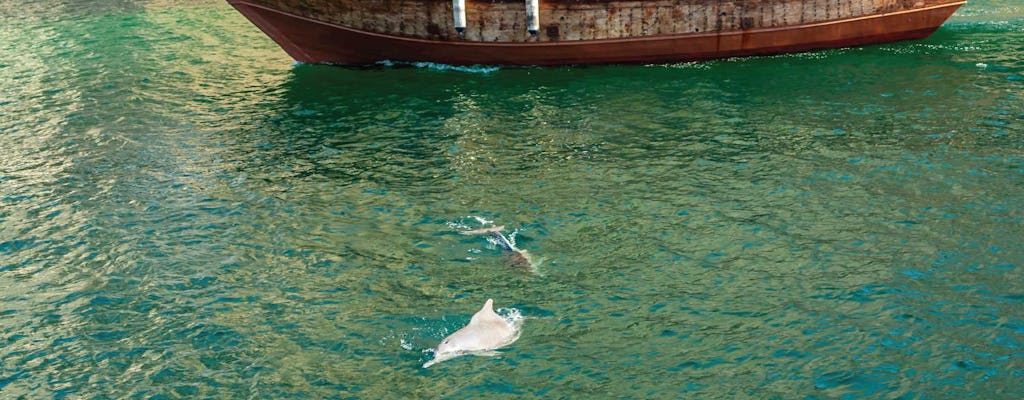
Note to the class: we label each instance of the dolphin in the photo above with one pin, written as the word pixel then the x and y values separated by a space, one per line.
pixel 516 257
pixel 485 332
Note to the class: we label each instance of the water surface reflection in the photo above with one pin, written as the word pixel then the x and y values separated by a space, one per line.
pixel 186 214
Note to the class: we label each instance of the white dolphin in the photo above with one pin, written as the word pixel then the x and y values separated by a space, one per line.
pixel 485 332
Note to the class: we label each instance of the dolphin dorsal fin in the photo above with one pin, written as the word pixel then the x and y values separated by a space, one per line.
pixel 486 313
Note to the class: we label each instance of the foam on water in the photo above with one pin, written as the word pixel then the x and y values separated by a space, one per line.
pixel 471 69
pixel 513 316
pixel 468 223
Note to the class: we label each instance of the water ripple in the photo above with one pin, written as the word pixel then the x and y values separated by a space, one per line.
pixel 185 213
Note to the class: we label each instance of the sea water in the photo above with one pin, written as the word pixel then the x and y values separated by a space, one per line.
pixel 186 213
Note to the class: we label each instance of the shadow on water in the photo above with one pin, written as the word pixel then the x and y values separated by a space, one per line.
pixel 449 134
pixel 841 92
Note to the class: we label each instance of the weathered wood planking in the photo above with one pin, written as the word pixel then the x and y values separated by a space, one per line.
pixel 567 20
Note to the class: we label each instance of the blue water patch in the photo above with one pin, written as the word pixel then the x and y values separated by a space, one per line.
pixel 6 380
pixel 789 353
pixel 858 384
pixel 696 365
pixel 914 274
pixel 11 246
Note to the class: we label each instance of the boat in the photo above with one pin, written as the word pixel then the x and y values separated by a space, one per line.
pixel 561 32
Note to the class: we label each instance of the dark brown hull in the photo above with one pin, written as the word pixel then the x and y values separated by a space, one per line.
pixel 312 41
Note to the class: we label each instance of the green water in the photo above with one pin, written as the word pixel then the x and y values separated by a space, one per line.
pixel 185 213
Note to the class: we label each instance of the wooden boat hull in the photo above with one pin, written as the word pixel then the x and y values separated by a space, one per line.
pixel 314 41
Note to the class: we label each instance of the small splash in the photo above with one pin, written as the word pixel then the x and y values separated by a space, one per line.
pixel 472 69
pixel 981 65
pixel 513 316
pixel 697 65
pixel 497 244
pixel 482 220
pixel 462 225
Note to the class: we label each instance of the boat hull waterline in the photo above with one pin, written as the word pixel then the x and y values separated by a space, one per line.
pixel 314 41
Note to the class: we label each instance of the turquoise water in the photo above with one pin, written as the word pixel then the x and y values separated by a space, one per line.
pixel 185 213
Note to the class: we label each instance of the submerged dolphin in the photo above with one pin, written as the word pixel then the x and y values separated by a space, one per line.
pixel 516 257
pixel 486 331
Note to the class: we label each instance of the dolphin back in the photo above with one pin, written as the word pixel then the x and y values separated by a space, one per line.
pixel 485 332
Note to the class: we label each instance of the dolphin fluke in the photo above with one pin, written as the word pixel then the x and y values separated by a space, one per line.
pixel 485 332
